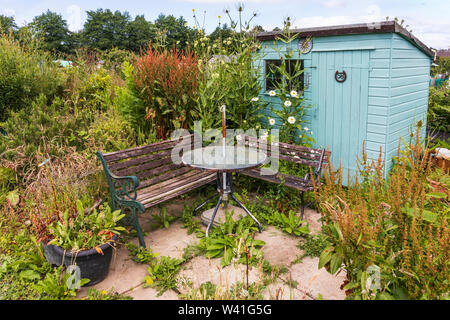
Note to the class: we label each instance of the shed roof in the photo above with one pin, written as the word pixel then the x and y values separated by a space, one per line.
pixel 360 28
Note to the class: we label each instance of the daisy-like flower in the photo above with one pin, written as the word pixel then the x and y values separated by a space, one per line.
pixel 287 103
pixel 254 99
pixel 291 120
pixel 271 121
pixel 294 94
pixel 306 128
pixel 272 93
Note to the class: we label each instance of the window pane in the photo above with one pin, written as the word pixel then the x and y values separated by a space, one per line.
pixel 273 76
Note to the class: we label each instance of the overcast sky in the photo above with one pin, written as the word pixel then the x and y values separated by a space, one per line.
pixel 428 19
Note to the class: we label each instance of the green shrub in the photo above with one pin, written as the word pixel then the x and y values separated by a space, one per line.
pixel 129 103
pixel 439 108
pixel 25 74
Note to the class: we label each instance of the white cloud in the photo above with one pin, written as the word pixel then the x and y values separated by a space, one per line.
pixel 335 4
pixel 8 12
pixel 74 17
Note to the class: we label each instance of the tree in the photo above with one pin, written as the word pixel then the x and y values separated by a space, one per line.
pixel 53 31
pixel 171 31
pixel 140 32
pixel 223 32
pixel 104 29
pixel 257 29
pixel 7 24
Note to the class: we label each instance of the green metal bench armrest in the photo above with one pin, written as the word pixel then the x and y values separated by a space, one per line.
pixel 128 184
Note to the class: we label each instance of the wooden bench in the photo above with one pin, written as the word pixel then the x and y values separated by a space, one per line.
pixel 142 177
pixel 310 157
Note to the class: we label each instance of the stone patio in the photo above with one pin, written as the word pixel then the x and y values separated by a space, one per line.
pixel 126 276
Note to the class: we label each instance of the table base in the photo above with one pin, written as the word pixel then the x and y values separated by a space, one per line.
pixel 225 192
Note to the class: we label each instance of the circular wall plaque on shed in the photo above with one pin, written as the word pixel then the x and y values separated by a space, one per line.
pixel 305 45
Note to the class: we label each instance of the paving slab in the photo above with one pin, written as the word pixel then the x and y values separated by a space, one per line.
pixel 200 270
pixel 126 277
pixel 314 280
pixel 313 218
pixel 280 249
pixel 169 242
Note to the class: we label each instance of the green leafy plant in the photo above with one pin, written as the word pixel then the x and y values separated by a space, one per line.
pixel 25 73
pixel 141 254
pixel 291 224
pixel 314 245
pixel 94 294
pixel 163 220
pixel 55 285
pixel 233 240
pixel 86 231
pixel 439 108
pixel 162 275
pixel 188 220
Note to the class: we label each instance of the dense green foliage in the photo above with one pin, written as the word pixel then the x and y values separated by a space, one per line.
pixel 443 66
pixel 439 108
pixel 25 73
pixel 54 32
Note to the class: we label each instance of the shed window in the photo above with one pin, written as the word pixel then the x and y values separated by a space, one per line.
pixel 273 76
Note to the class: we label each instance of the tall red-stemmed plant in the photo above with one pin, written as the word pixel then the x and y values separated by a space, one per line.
pixel 167 81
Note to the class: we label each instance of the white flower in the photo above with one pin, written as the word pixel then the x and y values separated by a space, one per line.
pixel 294 94
pixel 254 99
pixel 287 103
pixel 291 120
pixel 306 129
pixel 272 93
pixel 271 121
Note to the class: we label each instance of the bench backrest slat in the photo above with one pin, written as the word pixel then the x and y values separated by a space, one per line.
pixel 147 162
pixel 293 153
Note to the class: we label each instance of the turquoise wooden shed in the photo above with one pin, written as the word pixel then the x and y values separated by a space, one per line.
pixel 363 83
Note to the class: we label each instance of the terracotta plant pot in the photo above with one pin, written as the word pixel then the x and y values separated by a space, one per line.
pixel 93 265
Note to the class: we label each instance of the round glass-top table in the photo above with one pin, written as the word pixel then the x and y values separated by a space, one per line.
pixel 224 160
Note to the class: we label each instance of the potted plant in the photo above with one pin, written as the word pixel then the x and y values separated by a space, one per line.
pixel 86 240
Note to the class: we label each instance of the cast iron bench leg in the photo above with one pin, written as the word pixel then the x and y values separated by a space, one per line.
pixel 138 228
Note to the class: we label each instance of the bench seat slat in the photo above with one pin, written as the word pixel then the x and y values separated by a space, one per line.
pixel 289 181
pixel 170 189
pixel 163 177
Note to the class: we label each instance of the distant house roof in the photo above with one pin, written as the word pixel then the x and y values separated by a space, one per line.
pixel 443 53
pixel 360 28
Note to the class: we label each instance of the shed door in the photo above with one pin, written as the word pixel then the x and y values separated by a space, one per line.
pixel 341 107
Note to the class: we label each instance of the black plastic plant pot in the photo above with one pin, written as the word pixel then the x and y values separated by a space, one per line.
pixel 93 265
